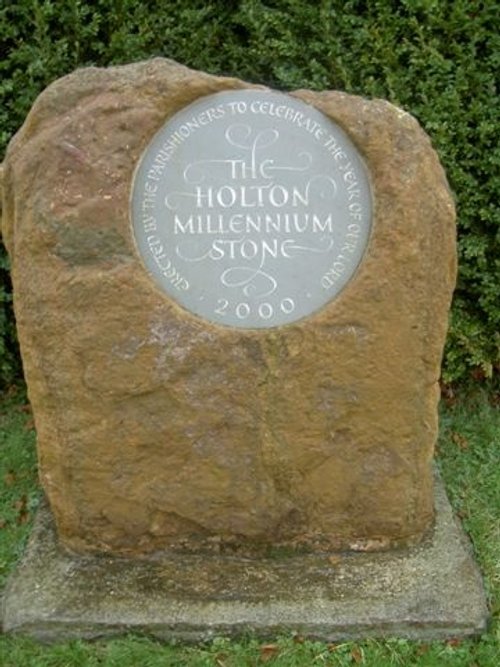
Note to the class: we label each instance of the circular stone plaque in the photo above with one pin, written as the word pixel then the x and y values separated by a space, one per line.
pixel 251 208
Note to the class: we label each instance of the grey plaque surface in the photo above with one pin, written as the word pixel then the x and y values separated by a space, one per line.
pixel 251 208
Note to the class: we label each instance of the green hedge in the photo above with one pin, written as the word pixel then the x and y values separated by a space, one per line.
pixel 438 59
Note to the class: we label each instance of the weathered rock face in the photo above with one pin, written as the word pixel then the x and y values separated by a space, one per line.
pixel 157 429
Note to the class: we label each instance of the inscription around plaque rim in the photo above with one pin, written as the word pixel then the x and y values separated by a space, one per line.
pixel 251 208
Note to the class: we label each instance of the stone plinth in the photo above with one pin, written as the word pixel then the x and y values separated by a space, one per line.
pixel 429 591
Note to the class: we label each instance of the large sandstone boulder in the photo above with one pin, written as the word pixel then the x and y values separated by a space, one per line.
pixel 158 429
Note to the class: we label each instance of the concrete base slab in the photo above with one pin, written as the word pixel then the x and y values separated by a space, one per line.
pixel 427 592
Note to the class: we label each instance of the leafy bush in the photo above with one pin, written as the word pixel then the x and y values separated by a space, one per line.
pixel 437 59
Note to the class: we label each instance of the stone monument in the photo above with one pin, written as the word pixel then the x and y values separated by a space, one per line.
pixel 232 305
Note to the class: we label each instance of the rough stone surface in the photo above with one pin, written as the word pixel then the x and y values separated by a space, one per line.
pixel 158 430
pixel 429 591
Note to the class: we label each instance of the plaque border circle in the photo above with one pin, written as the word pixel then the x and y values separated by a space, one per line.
pixel 153 166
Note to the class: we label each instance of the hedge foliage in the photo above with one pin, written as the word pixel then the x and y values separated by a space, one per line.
pixel 438 59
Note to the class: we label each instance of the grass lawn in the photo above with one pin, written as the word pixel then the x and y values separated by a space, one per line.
pixel 469 458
